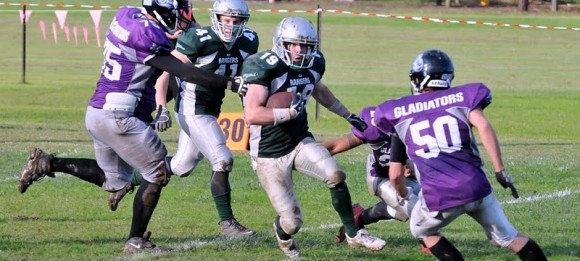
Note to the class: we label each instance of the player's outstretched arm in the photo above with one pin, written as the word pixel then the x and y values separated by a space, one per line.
pixel 190 73
pixel 491 145
pixel 325 97
pixel 342 144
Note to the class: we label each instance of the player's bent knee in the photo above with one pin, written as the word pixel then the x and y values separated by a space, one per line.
pixel 161 174
pixel 291 225
pixel 335 178
pixel 224 165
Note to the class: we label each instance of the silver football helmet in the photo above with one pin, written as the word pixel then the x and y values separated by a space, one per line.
pixel 232 8
pixel 296 30
pixel 432 68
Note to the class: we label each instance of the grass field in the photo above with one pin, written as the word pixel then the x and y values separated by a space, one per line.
pixel 533 74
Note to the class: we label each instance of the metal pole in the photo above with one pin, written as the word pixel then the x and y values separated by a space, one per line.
pixel 23 43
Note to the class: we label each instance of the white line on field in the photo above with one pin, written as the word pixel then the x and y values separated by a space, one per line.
pixel 557 194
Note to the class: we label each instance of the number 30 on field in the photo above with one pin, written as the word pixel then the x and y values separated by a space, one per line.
pixel 235 130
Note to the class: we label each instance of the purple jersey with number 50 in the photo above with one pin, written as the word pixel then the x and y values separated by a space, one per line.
pixel 132 39
pixel 379 141
pixel 436 132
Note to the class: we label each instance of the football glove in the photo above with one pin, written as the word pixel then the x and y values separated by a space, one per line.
pixel 239 86
pixel 506 181
pixel 162 120
pixel 357 122
pixel 297 104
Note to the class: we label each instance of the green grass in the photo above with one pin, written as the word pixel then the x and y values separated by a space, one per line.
pixel 532 73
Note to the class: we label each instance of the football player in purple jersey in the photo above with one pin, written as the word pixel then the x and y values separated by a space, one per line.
pixel 118 117
pixel 434 129
pixel 377 174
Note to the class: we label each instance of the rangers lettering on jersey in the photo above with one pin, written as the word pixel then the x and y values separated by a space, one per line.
pixel 119 31
pixel 228 60
pixel 427 105
pixel 300 81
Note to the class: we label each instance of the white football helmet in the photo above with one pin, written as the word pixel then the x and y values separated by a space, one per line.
pixel 232 8
pixel 300 31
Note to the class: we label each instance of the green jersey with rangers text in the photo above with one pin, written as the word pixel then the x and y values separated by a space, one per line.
pixel 267 69
pixel 206 50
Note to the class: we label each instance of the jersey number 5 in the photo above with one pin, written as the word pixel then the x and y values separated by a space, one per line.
pixel 111 68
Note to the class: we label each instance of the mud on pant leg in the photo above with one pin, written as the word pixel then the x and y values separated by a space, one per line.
pixel 314 160
pixel 275 176
pixel 144 205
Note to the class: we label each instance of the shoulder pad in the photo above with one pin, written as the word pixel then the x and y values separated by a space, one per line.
pixel 258 66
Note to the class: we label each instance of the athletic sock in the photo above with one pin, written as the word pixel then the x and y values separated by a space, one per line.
pixel 531 252
pixel 342 204
pixel 445 251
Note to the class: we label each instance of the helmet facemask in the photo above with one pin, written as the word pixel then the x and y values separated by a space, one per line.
pixel 304 59
pixel 184 17
pixel 296 30
pixel 237 9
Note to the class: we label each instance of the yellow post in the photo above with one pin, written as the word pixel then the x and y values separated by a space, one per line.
pixel 484 2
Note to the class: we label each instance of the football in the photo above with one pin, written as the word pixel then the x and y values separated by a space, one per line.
pixel 279 100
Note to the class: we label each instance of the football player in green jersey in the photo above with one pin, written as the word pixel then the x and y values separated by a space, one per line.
pixel 279 137
pixel 220 48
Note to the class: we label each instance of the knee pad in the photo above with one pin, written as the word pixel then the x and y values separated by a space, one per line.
pixel 224 165
pixel 291 225
pixel 291 221
pixel 336 178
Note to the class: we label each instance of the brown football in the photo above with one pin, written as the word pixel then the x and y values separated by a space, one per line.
pixel 279 100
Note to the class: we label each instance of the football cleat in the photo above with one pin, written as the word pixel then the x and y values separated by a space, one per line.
pixel 141 244
pixel 233 228
pixel 357 210
pixel 289 247
pixel 115 197
pixel 37 166
pixel 364 240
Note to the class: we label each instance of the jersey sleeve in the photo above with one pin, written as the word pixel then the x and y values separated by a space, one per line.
pixel 372 133
pixel 256 68
pixel 319 65
pixel 479 95
pixel 381 120
pixel 250 41
pixel 189 42
pixel 152 41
